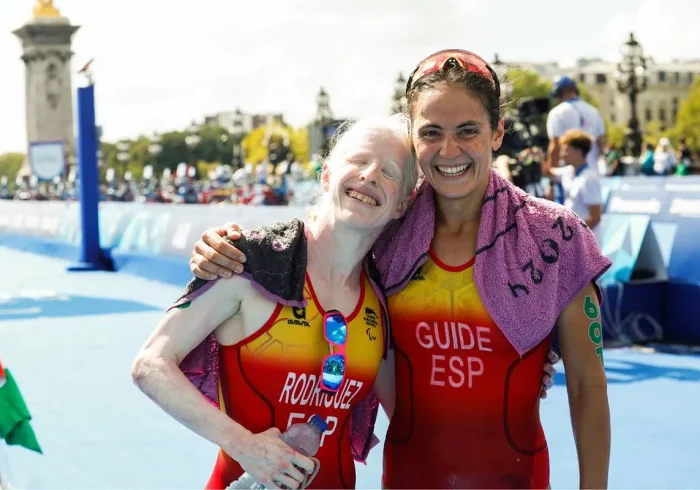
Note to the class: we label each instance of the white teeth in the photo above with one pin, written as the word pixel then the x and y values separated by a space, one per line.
pixel 361 197
pixel 453 170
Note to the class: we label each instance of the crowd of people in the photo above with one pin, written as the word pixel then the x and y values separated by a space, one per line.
pixel 261 184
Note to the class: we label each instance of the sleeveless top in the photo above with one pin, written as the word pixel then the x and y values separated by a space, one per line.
pixel 271 379
pixel 467 407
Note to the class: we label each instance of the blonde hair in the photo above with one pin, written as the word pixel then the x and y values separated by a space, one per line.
pixel 348 137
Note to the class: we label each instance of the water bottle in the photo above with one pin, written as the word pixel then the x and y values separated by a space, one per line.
pixel 304 438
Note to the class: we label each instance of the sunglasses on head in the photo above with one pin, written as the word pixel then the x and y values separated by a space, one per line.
pixel 447 58
pixel 335 330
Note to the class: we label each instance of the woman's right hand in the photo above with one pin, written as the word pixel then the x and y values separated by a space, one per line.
pixel 214 257
pixel 271 462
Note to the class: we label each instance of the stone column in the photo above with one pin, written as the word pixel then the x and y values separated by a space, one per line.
pixel 46 44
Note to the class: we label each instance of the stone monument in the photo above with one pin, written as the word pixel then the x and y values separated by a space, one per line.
pixel 46 45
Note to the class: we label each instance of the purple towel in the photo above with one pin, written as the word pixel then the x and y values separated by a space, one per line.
pixel 533 258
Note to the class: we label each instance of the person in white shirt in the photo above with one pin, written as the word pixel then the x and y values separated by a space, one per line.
pixel 573 113
pixel 664 158
pixel 581 181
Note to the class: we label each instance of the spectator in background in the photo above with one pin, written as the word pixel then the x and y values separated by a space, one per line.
pixel 685 159
pixel 261 172
pixel 614 166
pixel 502 167
pixel 664 158
pixel 581 181
pixel 572 113
pixel 646 160
pixel 683 151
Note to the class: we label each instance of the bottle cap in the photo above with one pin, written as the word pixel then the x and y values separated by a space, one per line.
pixel 317 421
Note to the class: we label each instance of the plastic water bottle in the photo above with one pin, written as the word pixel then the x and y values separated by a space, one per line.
pixel 304 438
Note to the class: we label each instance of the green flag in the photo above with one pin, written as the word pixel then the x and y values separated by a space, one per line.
pixel 14 417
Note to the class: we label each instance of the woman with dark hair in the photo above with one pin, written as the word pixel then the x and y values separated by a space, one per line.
pixel 478 274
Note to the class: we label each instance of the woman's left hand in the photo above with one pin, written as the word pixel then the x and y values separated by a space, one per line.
pixel 549 372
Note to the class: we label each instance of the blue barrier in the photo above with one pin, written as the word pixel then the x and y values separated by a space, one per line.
pixel 168 229
pixel 633 312
pixel 669 254
pixel 672 206
pixel 148 240
pixel 620 238
pixel 681 316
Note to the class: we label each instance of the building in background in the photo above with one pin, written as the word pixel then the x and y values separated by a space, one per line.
pixel 668 86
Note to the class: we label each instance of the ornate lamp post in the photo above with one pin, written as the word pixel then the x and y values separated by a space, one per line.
pixel 324 117
pixel 398 100
pixel 632 76
pixel 237 133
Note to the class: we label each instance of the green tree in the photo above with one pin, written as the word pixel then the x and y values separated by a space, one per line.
pixel 215 146
pixel 526 83
pixel 10 164
pixel 300 144
pixel 109 159
pixel 653 132
pixel 688 119
pixel 587 96
pixel 203 168
pixel 615 133
pixel 253 146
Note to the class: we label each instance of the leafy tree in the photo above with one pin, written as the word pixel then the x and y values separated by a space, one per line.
pixel 653 132
pixel 138 157
pixel 256 151
pixel 204 168
pixel 300 144
pixel 215 145
pixel 615 133
pixel 109 158
pixel 174 151
pixel 10 164
pixel 586 95
pixel 526 83
pixel 688 119
pixel 253 146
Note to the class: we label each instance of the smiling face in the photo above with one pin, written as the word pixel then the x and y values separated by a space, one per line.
pixel 453 140
pixel 365 178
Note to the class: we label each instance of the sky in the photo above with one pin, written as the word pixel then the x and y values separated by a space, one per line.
pixel 160 64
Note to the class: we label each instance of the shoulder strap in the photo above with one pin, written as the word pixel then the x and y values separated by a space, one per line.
pixel 581 119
